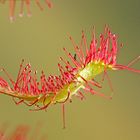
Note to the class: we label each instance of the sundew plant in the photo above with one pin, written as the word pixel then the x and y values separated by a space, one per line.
pixel 77 74
pixel 24 4
pixel 21 132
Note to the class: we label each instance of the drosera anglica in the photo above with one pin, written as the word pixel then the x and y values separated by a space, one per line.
pixel 80 73
pixel 22 132
pixel 24 3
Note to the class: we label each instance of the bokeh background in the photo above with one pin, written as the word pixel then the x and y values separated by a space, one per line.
pixel 40 39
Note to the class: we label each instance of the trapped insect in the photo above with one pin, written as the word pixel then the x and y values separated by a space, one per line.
pixel 79 73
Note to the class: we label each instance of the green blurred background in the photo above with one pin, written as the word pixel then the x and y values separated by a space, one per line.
pixel 40 39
